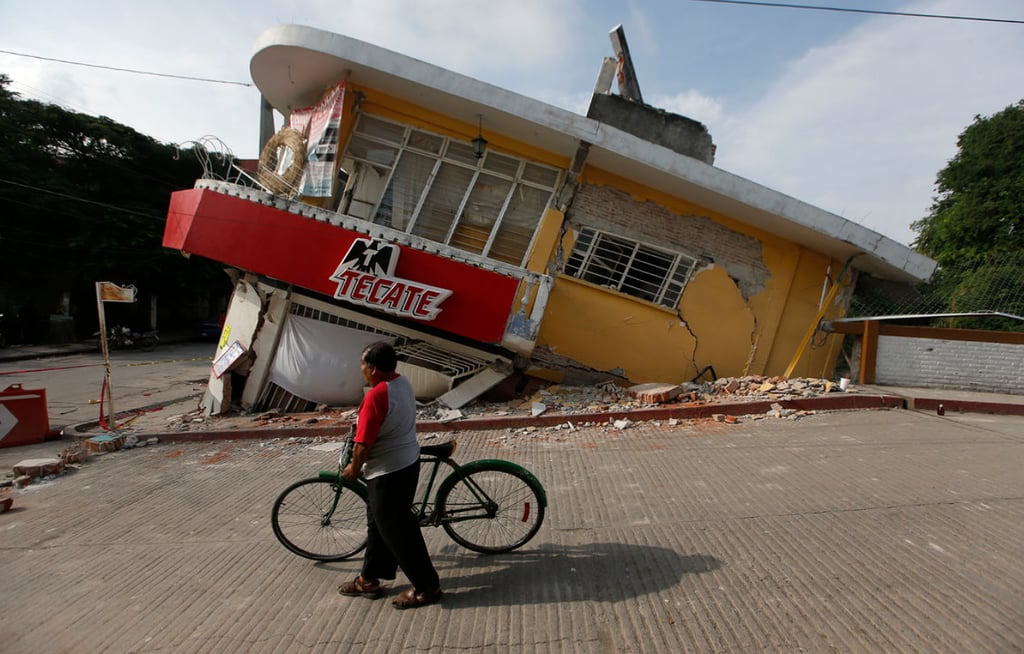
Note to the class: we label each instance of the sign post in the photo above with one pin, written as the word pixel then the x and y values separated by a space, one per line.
pixel 109 292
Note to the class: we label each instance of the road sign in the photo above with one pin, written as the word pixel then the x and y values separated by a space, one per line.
pixel 7 421
pixel 23 416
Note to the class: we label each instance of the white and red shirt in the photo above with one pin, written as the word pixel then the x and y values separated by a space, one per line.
pixel 386 426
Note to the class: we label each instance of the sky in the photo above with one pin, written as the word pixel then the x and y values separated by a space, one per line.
pixel 852 113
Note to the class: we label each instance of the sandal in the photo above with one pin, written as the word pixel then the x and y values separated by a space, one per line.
pixel 410 599
pixel 360 587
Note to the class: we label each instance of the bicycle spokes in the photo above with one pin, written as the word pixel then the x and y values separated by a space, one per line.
pixel 491 507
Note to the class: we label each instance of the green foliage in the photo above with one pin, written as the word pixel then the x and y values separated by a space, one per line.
pixel 84 199
pixel 975 230
pixel 999 284
pixel 979 212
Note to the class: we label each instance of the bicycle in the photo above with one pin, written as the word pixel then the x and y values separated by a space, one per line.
pixel 489 506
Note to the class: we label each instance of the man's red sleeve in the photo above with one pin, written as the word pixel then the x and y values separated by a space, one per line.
pixel 372 412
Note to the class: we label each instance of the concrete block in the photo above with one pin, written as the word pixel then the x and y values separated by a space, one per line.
pixel 39 467
pixel 104 443
pixel 656 393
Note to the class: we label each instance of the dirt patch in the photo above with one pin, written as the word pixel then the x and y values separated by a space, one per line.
pixel 217 457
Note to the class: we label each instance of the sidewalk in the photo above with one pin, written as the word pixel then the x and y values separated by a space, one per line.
pixel 27 352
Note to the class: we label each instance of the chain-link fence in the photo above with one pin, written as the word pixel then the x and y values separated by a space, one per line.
pixel 992 291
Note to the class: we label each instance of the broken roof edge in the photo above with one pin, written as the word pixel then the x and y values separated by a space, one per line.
pixel 327 57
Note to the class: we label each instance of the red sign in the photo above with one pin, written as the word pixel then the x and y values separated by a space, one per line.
pixel 446 295
pixel 23 416
pixel 366 276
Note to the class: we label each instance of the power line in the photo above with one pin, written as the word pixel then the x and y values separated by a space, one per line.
pixel 126 70
pixel 864 11
pixel 77 199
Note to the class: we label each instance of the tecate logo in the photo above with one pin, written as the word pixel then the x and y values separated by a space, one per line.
pixel 365 276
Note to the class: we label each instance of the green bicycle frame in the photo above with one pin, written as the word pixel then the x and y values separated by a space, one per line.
pixel 459 474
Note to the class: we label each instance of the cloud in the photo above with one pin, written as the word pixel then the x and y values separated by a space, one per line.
pixel 692 104
pixel 860 127
pixel 522 44
pixel 488 40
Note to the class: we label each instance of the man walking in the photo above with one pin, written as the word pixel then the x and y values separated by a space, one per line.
pixel 387 453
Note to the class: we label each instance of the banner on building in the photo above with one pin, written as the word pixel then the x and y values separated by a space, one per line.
pixel 324 122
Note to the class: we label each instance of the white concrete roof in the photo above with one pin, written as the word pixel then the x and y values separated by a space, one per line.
pixel 293 65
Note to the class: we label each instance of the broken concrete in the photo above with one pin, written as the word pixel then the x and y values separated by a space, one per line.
pixel 656 393
pixel 104 443
pixel 36 468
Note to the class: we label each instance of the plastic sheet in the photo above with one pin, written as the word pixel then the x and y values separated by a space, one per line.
pixel 319 362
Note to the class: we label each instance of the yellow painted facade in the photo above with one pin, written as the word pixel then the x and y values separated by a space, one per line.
pixel 606 331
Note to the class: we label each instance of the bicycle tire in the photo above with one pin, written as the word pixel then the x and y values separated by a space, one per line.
pixel 515 514
pixel 299 522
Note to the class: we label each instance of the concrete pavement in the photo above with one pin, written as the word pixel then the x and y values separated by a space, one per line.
pixel 852 531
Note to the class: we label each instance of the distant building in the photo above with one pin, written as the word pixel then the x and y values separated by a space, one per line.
pixel 487 233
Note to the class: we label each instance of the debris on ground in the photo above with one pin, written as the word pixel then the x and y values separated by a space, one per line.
pixel 572 402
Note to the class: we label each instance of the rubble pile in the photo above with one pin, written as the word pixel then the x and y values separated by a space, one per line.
pixel 572 402
pixel 577 400
pixel 756 387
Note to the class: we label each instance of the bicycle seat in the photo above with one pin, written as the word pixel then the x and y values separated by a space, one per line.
pixel 441 450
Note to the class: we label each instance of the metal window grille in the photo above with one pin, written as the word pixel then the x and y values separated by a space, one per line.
pixel 642 271
pixel 435 187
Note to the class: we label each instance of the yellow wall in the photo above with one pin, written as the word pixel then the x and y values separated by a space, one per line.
pixel 802 303
pixel 719 317
pixel 714 325
pixel 612 332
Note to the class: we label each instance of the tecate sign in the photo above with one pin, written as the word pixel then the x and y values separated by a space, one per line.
pixel 365 276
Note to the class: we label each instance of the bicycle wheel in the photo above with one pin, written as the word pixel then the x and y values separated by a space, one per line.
pixel 491 506
pixel 321 519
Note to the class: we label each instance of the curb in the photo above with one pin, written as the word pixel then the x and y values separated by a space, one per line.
pixel 664 412
pixel 966 406
pixel 8 356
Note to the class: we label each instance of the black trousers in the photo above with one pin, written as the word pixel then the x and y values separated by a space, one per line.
pixel 393 536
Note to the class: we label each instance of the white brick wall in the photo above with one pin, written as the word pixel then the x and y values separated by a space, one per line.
pixel 965 365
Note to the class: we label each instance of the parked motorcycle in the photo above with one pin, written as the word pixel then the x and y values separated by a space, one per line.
pixel 126 338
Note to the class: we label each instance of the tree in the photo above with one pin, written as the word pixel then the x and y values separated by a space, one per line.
pixel 84 199
pixel 975 230
pixel 979 212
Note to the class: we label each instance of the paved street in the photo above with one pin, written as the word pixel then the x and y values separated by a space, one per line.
pixel 856 531
pixel 73 378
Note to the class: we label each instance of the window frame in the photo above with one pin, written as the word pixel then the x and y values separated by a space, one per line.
pixel 483 167
pixel 587 261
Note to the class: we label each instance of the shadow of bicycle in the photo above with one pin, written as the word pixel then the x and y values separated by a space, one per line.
pixel 596 572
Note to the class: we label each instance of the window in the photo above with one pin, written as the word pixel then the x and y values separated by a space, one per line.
pixel 436 188
pixel 642 271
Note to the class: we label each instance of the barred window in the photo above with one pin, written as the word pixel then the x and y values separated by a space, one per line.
pixel 643 271
pixel 435 187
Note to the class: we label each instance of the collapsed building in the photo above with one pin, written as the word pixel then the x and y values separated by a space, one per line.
pixel 487 234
